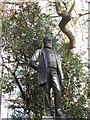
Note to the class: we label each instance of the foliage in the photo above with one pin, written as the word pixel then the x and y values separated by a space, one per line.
pixel 76 77
pixel 23 30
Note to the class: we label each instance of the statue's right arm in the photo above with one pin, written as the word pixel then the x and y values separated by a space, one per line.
pixel 34 59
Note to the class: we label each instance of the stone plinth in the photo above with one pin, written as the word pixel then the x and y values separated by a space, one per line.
pixel 52 118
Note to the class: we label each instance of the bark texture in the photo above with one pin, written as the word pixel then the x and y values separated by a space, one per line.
pixel 66 17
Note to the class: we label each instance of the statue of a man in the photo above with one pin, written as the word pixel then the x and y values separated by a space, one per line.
pixel 48 64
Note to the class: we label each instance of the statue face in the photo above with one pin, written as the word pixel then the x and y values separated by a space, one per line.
pixel 47 42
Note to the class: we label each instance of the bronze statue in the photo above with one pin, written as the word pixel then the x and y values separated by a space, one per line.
pixel 48 64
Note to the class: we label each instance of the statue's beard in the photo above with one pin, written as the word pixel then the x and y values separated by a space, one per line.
pixel 48 46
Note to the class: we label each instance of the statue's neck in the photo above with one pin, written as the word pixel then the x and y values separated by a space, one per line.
pixel 48 47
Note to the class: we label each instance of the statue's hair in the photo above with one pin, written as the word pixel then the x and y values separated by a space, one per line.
pixel 46 38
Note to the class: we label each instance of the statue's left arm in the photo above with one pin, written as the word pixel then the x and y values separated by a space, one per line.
pixel 60 72
pixel 34 60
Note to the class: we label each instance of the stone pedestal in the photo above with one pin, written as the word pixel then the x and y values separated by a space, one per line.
pixel 52 118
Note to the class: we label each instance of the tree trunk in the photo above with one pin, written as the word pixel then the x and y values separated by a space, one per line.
pixel 66 17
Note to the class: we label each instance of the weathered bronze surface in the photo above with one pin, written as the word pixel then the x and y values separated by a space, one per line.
pixel 50 75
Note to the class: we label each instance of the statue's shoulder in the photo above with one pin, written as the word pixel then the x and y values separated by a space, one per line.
pixel 42 50
pixel 38 50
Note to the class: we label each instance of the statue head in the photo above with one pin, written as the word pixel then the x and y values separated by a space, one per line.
pixel 47 42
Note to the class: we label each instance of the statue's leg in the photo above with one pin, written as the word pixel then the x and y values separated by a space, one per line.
pixel 47 99
pixel 57 93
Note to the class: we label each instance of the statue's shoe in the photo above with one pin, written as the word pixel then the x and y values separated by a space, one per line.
pixel 60 114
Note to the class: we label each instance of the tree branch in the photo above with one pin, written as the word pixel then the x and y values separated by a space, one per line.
pixel 82 14
pixel 20 88
pixel 72 7
pixel 14 3
pixel 16 79
pixel 66 17
pixel 24 97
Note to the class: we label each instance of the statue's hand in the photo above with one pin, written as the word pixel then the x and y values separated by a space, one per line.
pixel 34 65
